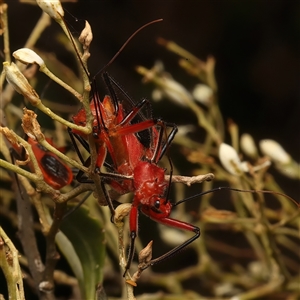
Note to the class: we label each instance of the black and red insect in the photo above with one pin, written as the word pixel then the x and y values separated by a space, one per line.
pixel 56 173
pixel 132 144
pixel 135 144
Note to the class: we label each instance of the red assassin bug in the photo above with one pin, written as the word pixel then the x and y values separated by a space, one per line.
pixel 116 132
pixel 132 155
pixel 56 173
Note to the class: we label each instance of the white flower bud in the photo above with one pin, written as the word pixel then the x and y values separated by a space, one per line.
pixel 203 94
pixel 248 145
pixel 230 160
pixel 282 160
pixel 274 150
pixel 20 83
pixel 157 94
pixel 175 91
pixel 257 269
pixel 52 7
pixel 185 129
pixel 170 88
pixel 244 166
pixel 28 56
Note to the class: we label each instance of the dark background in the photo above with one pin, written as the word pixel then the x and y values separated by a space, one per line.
pixel 255 43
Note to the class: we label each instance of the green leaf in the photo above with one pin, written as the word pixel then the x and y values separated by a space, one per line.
pixel 83 245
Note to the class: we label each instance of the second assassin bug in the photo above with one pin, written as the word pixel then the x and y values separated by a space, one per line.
pixel 55 172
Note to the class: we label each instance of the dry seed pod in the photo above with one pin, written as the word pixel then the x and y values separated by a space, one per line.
pixel 20 83
pixel 86 36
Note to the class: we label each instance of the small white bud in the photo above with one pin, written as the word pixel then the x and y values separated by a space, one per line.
pixel 169 88
pixel 183 130
pixel 158 67
pixel 28 56
pixel 263 165
pixel 175 91
pixel 282 160
pixel 203 94
pixel 244 166
pixel 274 150
pixel 157 94
pixel 31 136
pixel 248 145
pixel 257 270
pixel 46 287
pixel 52 7
pixel 230 160
pixel 225 288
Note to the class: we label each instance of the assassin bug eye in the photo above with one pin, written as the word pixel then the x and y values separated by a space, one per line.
pixel 95 135
pixel 157 204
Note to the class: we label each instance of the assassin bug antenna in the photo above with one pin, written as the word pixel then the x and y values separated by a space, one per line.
pixel 125 44
pixel 117 53
pixel 236 190
pixel 195 229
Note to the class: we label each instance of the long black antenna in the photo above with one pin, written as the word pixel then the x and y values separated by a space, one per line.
pixel 236 190
pixel 119 51
pixel 125 44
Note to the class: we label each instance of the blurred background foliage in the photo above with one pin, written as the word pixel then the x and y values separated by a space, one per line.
pixel 255 43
